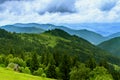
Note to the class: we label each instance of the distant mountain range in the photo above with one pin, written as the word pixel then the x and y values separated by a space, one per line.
pixel 27 29
pixel 101 28
pixel 90 36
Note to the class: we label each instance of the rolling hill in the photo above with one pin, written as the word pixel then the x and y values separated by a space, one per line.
pixel 112 45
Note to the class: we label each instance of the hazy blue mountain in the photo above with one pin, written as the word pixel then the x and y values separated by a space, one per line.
pixel 42 26
pixel 114 35
pixel 112 45
pixel 12 28
pixel 101 28
pixel 90 36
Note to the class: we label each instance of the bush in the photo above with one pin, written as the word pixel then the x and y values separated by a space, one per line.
pixel 19 61
pixel 100 73
pixel 80 73
pixel 11 65
pixel 2 65
pixel 1 59
pixel 39 72
pixel 25 70
pixel 21 69
pixel 43 75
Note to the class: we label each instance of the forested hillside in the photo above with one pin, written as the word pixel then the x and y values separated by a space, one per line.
pixel 112 45
pixel 56 54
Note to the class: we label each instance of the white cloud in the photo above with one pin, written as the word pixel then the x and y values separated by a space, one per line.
pixel 59 11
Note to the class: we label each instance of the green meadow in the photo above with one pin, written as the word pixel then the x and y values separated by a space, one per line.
pixel 6 74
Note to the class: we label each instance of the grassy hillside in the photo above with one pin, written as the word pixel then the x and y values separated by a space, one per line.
pixel 12 75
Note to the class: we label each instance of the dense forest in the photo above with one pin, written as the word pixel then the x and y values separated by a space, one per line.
pixel 56 54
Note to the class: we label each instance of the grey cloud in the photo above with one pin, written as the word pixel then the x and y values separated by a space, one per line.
pixel 61 6
pixel 1 9
pixel 2 1
pixel 108 6
pixel 61 9
pixel 54 6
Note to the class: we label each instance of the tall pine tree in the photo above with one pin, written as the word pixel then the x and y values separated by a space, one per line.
pixel 34 63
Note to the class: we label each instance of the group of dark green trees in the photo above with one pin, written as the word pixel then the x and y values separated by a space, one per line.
pixel 60 66
pixel 56 54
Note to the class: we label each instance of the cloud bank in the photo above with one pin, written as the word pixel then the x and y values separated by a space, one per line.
pixel 59 11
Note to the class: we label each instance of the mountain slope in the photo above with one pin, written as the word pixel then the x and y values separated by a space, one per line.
pixel 53 41
pixel 90 36
pixel 12 75
pixel 93 37
pixel 112 45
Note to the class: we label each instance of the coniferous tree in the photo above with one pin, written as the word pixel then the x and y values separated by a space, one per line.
pixel 65 67
pixel 34 63
pixel 51 73
pixel 104 64
pixel 91 63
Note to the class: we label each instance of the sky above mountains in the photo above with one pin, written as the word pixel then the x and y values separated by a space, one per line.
pixel 59 11
pixel 62 12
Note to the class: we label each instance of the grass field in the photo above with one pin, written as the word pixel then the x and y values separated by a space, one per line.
pixel 12 75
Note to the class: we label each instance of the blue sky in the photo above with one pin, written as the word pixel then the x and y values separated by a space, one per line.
pixel 60 11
